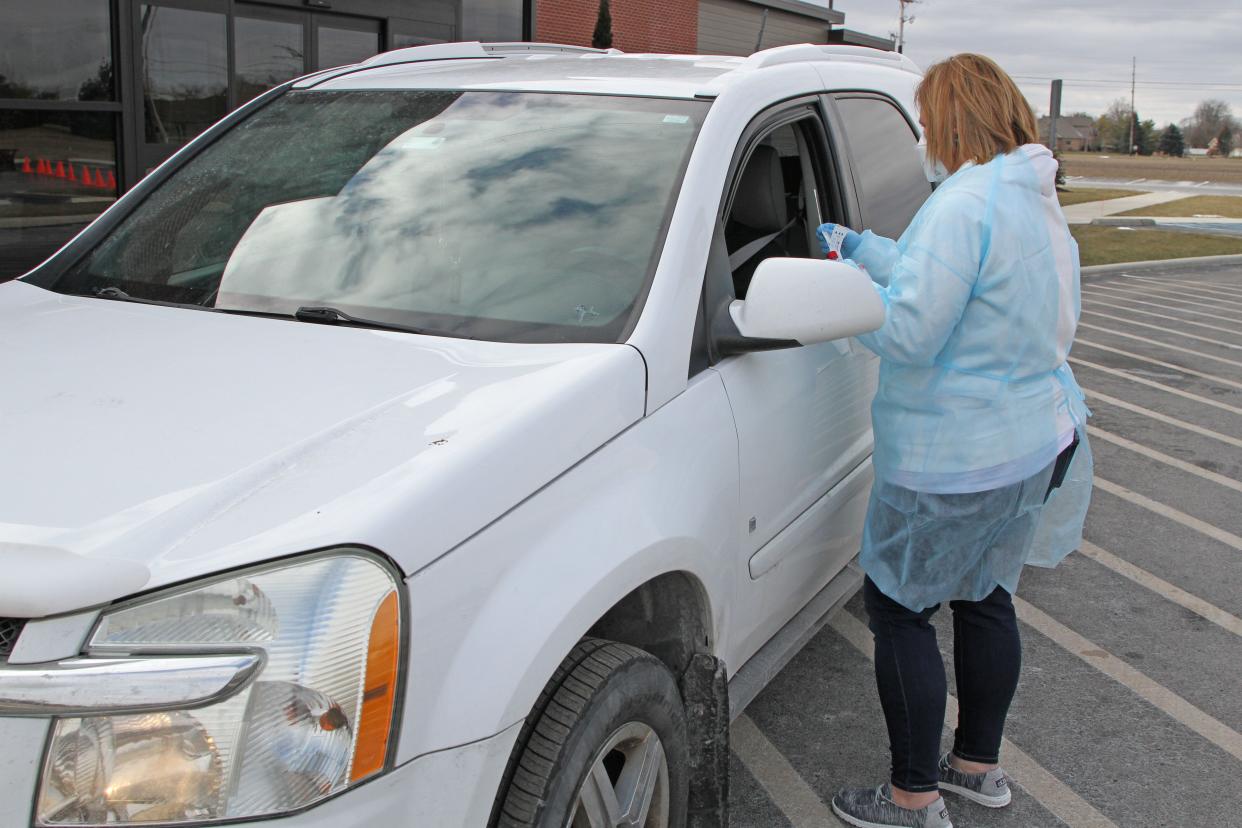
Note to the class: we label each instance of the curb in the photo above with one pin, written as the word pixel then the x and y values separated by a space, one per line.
pixel 1194 261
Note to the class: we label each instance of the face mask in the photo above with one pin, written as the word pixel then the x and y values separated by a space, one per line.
pixel 934 170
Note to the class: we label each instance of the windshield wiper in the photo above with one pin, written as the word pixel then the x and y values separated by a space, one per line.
pixel 334 316
pixel 116 294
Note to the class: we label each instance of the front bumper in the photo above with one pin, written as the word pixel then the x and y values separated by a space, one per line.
pixel 446 789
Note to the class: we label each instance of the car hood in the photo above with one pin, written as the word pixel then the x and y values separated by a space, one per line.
pixel 144 445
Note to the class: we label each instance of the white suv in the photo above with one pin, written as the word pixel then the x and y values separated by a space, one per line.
pixel 456 439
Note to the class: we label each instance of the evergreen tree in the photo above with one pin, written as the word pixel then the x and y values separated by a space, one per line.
pixel 1226 141
pixel 1172 142
pixel 602 38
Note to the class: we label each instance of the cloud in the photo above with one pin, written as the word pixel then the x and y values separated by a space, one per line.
pixel 1192 43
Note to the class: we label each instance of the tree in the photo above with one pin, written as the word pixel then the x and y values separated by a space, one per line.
pixel 1114 126
pixel 1226 141
pixel 1171 141
pixel 1210 118
pixel 1144 136
pixel 602 38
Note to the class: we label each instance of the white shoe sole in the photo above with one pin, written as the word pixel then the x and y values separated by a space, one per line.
pixel 975 796
pixel 862 823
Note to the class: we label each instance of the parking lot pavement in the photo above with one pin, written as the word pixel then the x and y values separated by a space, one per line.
pixel 1129 713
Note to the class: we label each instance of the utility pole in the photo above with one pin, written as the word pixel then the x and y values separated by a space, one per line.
pixel 1054 112
pixel 902 20
pixel 1133 117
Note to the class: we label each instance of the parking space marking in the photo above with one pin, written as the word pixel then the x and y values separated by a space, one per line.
pixel 1167 459
pixel 1151 691
pixel 1169 389
pixel 1165 418
pixel 1175 515
pixel 1171 365
pixel 1225 286
pixel 1178 319
pixel 782 782
pixel 1047 790
pixel 1175 331
pixel 1124 297
pixel 1163 588
pixel 1191 293
pixel 1157 343
pixel 1148 293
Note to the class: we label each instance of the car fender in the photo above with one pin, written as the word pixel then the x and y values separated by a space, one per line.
pixel 491 620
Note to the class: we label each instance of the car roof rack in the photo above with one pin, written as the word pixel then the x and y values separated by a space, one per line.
pixel 474 50
pixel 810 53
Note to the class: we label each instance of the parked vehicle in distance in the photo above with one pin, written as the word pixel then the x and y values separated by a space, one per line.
pixel 460 438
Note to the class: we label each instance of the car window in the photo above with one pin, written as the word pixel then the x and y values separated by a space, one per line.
pixel 494 215
pixel 887 170
pixel 777 203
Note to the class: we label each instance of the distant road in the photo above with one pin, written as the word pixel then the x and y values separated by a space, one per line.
pixel 1190 187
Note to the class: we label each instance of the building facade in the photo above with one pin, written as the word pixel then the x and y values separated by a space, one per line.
pixel 95 93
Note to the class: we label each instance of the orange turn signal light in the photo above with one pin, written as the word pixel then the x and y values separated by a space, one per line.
pixel 379 693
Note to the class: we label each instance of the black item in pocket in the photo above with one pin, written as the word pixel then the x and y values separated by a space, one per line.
pixel 1061 467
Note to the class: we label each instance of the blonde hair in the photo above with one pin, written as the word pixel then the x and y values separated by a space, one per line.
pixel 973 110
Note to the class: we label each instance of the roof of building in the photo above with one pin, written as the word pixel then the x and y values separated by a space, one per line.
pixel 550 68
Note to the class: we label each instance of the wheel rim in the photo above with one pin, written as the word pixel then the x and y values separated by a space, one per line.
pixel 627 785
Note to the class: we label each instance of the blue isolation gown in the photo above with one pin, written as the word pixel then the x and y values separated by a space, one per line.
pixel 975 397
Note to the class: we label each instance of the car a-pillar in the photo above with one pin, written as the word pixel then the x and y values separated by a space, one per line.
pixel 643 671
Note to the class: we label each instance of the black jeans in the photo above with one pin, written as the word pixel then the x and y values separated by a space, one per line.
pixel 987 656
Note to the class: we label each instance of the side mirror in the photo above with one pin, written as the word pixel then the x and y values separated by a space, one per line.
pixel 806 301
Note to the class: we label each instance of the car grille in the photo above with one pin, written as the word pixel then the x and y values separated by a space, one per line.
pixel 10 628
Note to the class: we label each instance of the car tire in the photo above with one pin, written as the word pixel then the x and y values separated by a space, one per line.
pixel 604 745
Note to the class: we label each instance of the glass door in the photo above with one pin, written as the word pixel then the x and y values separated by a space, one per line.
pixel 342 40
pixel 269 48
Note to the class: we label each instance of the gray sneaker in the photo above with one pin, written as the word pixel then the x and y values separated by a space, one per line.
pixel 991 789
pixel 874 808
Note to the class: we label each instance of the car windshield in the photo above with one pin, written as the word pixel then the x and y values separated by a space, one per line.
pixel 509 216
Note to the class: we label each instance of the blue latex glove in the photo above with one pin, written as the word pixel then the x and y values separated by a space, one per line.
pixel 848 246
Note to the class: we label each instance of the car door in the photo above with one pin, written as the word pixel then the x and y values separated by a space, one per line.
pixel 802 414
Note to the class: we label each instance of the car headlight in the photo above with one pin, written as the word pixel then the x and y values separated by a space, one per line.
pixel 318 716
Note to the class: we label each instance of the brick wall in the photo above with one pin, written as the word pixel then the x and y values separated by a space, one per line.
pixel 637 25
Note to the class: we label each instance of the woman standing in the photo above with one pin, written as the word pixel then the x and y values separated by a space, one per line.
pixel 977 419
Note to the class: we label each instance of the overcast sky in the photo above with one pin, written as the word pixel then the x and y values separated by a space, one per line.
pixel 1192 42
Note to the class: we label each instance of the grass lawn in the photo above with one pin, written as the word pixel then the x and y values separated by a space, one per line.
pixel 1110 245
pixel 1109 165
pixel 1085 194
pixel 1223 206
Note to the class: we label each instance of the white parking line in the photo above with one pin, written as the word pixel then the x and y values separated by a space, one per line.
pixel 1193 293
pixel 1099 292
pixel 1164 418
pixel 1163 588
pixel 1171 365
pixel 1206 339
pixel 787 789
pixel 1225 286
pixel 1189 521
pixel 1168 460
pixel 1154 693
pixel 1136 181
pixel 1050 792
pixel 1152 295
pixel 1168 389
pixel 1178 319
pixel 1158 343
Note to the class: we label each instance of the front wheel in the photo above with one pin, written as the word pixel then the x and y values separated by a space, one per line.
pixel 605 746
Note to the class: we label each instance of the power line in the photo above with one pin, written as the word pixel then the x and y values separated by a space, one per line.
pixel 1123 81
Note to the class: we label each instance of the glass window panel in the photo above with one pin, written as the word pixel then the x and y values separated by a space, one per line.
pixel 268 53
pixel 57 172
pixel 886 164
pixel 340 46
pixel 512 216
pixel 421 34
pixel 491 20
pixel 56 49
pixel 185 72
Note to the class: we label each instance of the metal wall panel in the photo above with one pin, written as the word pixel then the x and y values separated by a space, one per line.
pixel 731 27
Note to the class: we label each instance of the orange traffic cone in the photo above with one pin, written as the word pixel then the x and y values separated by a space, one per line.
pixel 71 176
pixel 111 180
pixel 26 166
pixel 87 181
pixel 60 169
pixel 41 167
